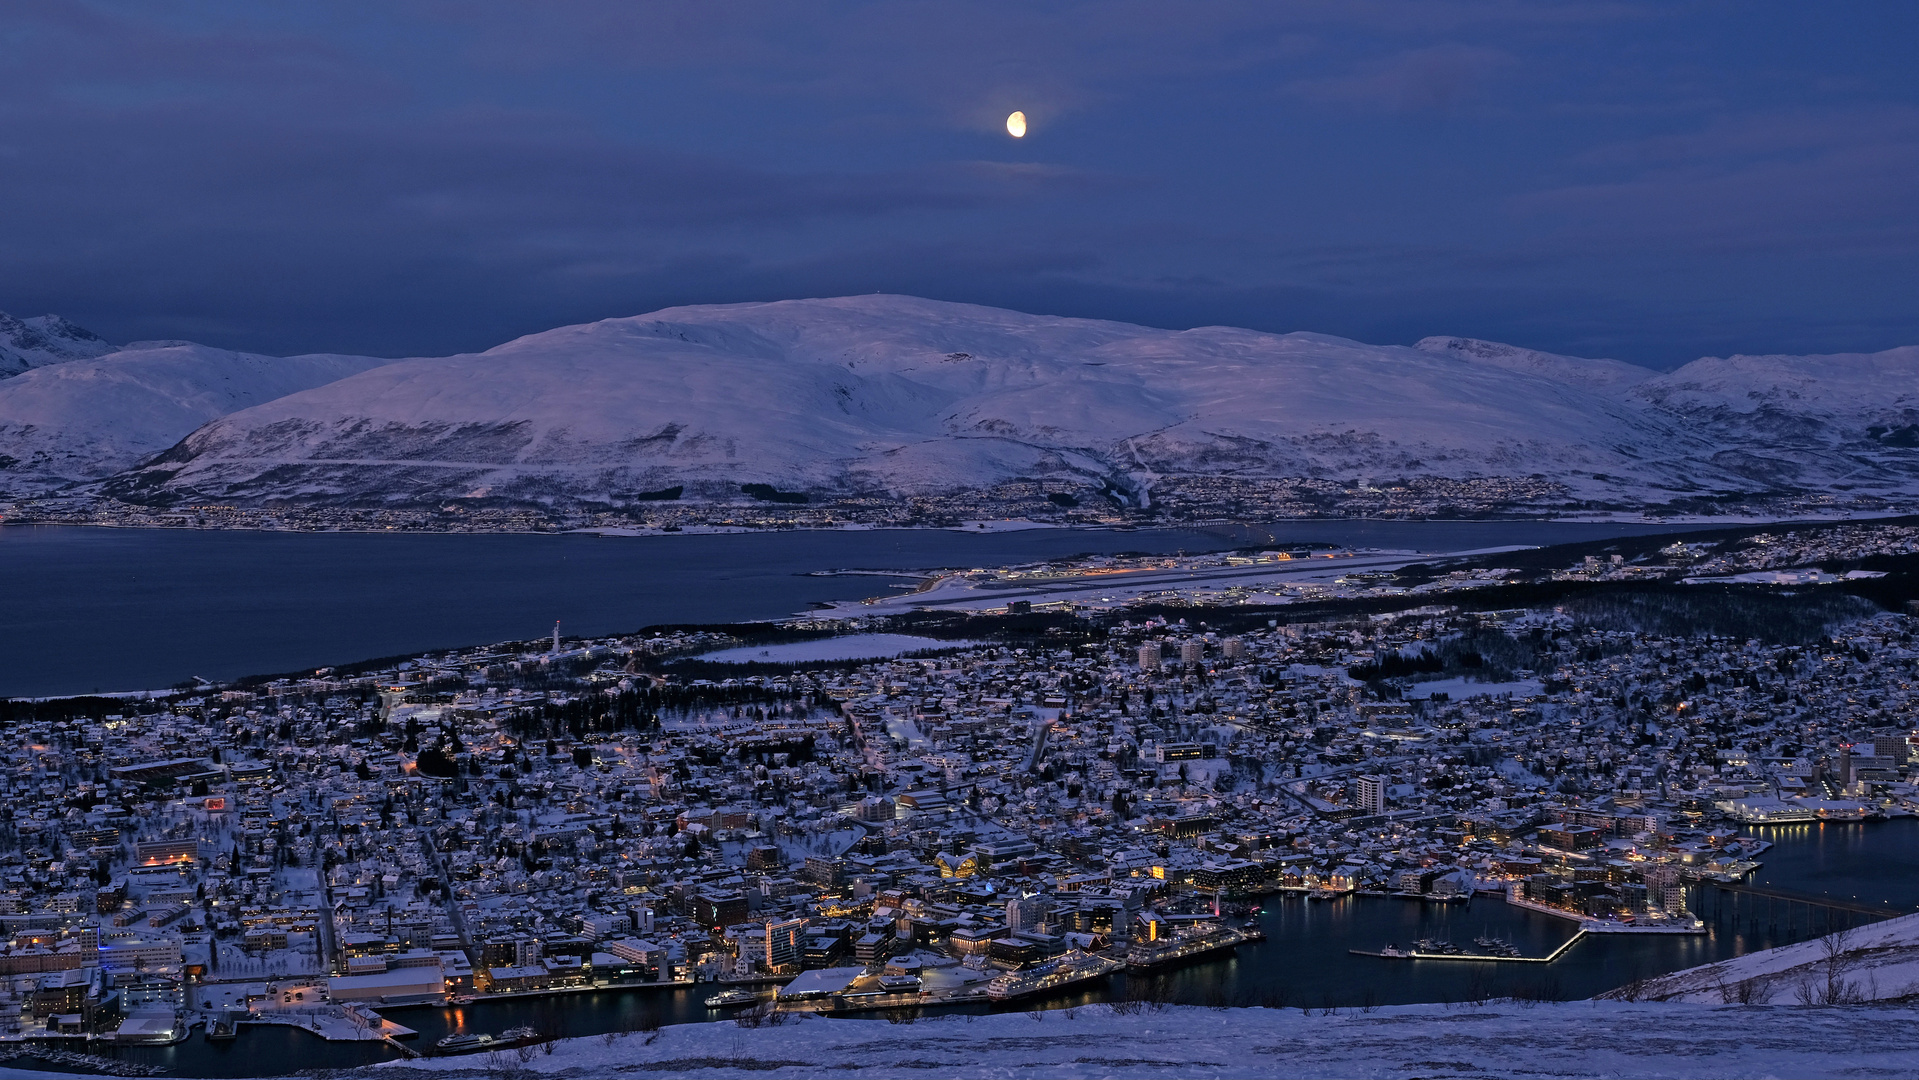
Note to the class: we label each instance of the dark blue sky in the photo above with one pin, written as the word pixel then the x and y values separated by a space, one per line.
pixel 1651 181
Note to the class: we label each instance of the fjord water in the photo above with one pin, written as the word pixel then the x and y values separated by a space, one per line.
pixel 86 610
pixel 1303 963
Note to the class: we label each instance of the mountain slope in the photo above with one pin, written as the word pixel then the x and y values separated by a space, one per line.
pixel 895 396
pixel 878 400
pixel 86 418
pixel 44 339
pixel 1869 963
pixel 1844 419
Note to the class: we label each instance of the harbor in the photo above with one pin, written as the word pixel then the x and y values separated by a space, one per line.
pixel 1492 951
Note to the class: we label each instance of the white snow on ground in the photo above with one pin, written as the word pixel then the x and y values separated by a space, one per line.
pixel 1461 689
pixel 1873 962
pixel 1496 1041
pixel 849 647
pixel 1583 1039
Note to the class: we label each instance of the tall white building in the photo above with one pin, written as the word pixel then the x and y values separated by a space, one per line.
pixel 1149 656
pixel 1666 890
pixel 1369 794
pixel 1025 913
pixel 1193 653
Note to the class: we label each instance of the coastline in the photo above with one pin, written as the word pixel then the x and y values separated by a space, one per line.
pixel 1679 522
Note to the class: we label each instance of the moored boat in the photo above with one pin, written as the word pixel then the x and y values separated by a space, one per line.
pixel 731 999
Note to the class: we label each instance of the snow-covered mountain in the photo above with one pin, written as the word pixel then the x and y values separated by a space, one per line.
pixel 83 419
pixel 1847 419
pixel 898 396
pixel 43 340
pixel 891 397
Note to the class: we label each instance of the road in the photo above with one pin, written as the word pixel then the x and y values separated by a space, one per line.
pixel 452 908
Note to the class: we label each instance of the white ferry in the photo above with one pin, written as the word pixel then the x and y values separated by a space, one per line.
pixel 731 999
pixel 1053 975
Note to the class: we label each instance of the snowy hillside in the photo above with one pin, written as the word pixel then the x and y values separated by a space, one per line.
pixel 1537 1042
pixel 1873 962
pixel 895 396
pixel 87 418
pixel 1847 419
pixel 889 397
pixel 43 340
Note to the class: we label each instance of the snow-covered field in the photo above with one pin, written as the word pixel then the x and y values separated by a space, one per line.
pixel 895 395
pixel 847 647
pixel 1540 1042
pixel 1461 689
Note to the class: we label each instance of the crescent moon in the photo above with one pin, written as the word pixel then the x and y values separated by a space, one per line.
pixel 1016 125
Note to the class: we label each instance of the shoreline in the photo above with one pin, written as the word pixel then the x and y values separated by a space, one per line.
pixel 1686 522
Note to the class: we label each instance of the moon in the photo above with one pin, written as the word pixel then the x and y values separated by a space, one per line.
pixel 1016 125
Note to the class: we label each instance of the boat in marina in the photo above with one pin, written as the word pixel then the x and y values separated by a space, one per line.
pixel 1493 946
pixel 462 1042
pixel 731 999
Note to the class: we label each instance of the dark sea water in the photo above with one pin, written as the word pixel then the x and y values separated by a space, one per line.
pixel 86 610
pixel 1303 963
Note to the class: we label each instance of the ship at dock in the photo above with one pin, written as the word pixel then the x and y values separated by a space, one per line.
pixel 1068 970
pixel 474 1042
pixel 1189 944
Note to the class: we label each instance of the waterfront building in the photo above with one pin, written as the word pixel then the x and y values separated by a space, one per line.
pixel 785 944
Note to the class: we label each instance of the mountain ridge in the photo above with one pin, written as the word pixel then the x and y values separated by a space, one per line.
pixel 889 399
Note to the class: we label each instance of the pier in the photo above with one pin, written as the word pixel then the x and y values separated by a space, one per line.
pixel 1484 958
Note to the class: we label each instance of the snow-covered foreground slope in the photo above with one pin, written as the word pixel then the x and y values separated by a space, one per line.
pixel 87 418
pixel 1873 962
pixel 1585 1039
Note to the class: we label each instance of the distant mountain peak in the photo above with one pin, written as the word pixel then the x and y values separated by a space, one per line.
pixel 42 340
pixel 1577 370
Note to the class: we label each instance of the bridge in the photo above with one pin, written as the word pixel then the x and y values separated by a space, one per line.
pixel 1780 905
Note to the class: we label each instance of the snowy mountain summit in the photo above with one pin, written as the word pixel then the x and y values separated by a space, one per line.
pixel 43 340
pixel 959 409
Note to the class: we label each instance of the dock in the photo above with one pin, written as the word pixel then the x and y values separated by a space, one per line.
pixel 1483 958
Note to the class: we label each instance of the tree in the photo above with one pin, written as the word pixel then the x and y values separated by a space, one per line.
pixel 434 761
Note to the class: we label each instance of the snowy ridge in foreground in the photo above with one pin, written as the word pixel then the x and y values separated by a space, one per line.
pixel 1576 1039
pixel 1874 962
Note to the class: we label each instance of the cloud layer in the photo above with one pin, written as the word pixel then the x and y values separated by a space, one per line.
pixel 1649 181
